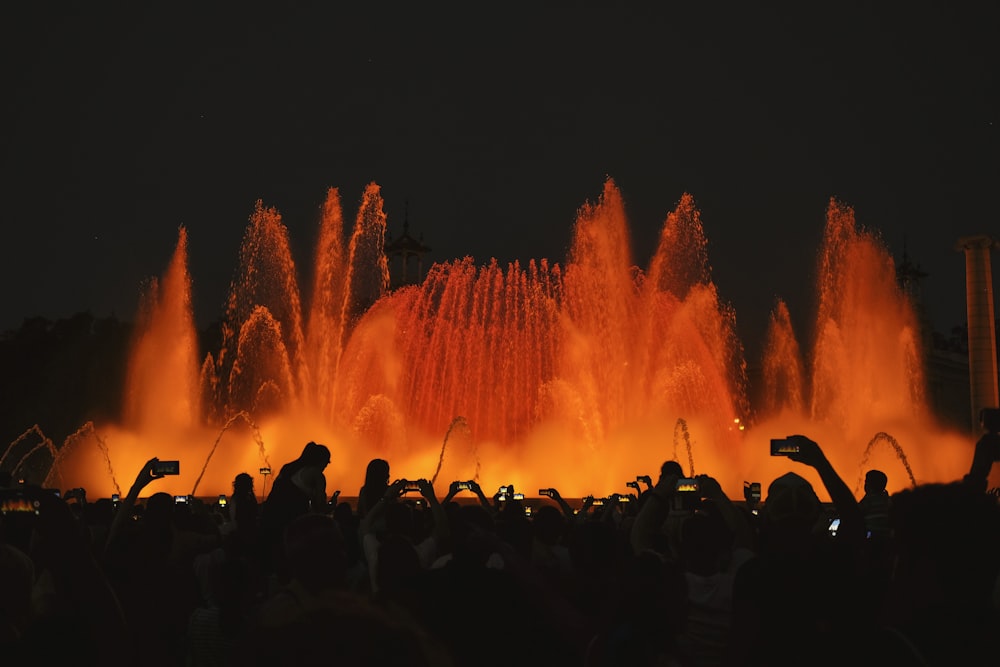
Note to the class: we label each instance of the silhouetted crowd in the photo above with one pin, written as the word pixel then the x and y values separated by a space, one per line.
pixel 675 574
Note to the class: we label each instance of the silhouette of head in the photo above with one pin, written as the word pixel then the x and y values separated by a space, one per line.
pixel 875 481
pixel 314 454
pixel 791 505
pixel 377 473
pixel 671 468
pixel 243 483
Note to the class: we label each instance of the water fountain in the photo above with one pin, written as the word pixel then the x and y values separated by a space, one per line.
pixel 578 375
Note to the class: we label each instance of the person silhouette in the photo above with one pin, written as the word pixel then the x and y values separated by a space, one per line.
pixel 376 483
pixel 875 504
pixel 299 488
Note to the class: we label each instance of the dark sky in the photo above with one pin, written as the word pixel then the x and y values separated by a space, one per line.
pixel 122 121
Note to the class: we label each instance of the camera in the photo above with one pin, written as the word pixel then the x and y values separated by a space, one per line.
pixel 990 419
pixel 167 468
pixel 784 446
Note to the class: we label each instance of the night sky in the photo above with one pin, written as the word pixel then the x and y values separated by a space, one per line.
pixel 491 125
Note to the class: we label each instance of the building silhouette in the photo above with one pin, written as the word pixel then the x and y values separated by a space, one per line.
pixel 405 256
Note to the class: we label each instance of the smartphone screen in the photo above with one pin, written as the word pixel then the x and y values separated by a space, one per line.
pixel 167 468
pixel 783 447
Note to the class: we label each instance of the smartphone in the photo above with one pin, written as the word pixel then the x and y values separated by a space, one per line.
pixel 266 470
pixel 167 468
pixel 527 511
pixel 644 478
pixel 222 500
pixel 411 486
pixel 116 498
pixel 834 526
pixel 545 492
pixel 687 485
pixel 503 490
pixel 15 502
pixel 518 496
pixel 633 485
pixel 180 500
pixel 783 447
pixel 464 486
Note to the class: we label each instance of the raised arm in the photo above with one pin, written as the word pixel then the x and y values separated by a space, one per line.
pixel 851 518
pixel 146 475
pixel 563 505
pixel 483 500
pixel 377 511
pixel 655 508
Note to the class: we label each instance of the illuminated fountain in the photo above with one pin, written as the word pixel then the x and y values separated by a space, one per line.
pixel 579 375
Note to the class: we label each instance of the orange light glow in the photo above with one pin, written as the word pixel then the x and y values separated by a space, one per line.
pixel 577 376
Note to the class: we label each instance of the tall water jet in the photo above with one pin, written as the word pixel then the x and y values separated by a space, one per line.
pixel 694 331
pixel 263 300
pixel 867 362
pixel 162 379
pixel 782 370
pixel 367 268
pixel 325 326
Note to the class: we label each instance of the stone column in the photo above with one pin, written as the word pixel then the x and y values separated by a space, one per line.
pixel 982 327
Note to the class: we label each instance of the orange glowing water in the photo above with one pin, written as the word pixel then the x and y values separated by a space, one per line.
pixel 579 375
